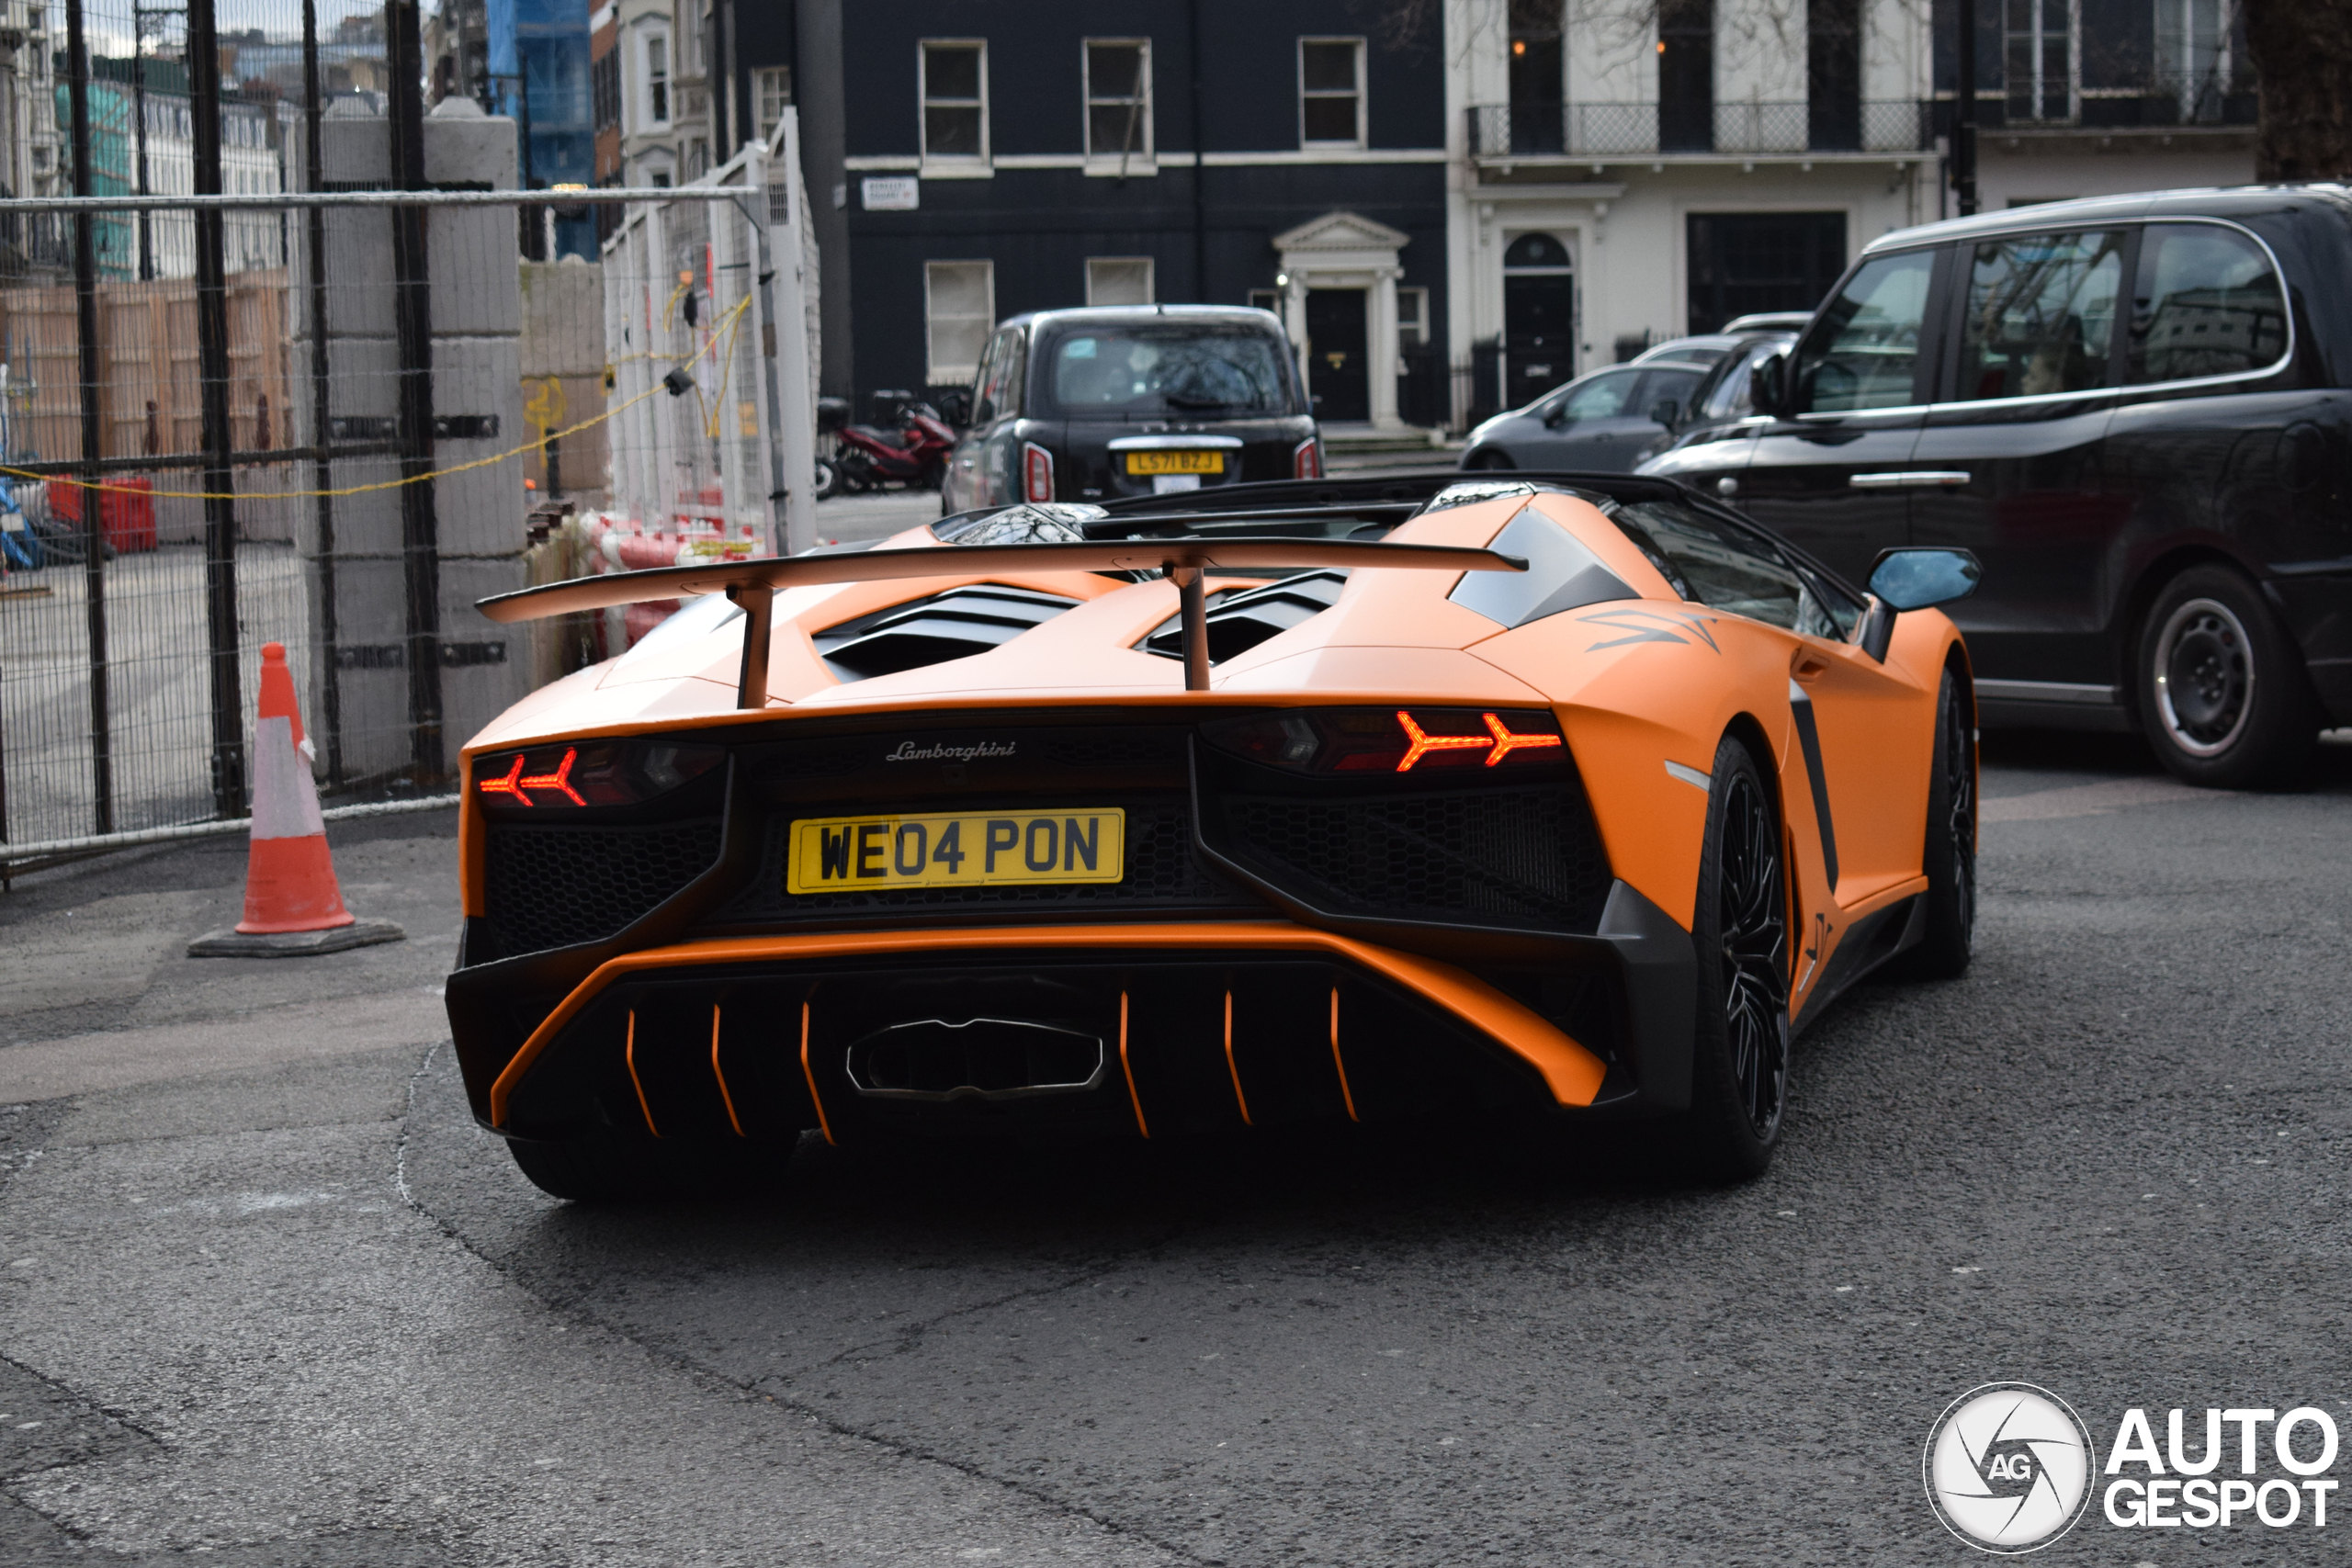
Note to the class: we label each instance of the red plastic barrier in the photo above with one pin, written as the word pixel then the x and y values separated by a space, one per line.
pixel 128 520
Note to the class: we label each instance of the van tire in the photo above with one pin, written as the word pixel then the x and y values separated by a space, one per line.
pixel 2223 694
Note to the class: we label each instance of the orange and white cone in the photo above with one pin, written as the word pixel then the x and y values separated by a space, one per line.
pixel 293 903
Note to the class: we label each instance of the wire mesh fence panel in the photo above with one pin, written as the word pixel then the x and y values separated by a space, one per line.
pixel 276 366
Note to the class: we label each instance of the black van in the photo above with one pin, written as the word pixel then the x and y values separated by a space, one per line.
pixel 2155 480
pixel 1133 400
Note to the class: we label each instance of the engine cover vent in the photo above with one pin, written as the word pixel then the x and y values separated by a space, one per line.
pixel 1242 621
pixel 954 624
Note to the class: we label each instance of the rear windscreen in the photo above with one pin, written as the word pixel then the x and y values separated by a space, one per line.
pixel 1151 369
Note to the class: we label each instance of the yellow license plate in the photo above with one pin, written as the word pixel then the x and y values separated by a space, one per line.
pixel 839 854
pixel 1175 462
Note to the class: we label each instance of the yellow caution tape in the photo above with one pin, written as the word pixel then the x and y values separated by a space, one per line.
pixel 528 446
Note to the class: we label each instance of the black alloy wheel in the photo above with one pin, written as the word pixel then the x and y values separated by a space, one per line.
pixel 1740 927
pixel 2223 694
pixel 1950 854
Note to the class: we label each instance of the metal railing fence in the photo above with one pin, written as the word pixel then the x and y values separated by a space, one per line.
pixel 338 465
pixel 1727 127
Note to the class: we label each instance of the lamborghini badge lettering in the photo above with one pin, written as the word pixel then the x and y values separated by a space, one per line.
pixel 940 752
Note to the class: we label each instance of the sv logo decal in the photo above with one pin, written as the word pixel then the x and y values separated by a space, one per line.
pixel 1649 626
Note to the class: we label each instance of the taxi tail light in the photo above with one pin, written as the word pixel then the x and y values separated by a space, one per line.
pixel 596 773
pixel 1307 458
pixel 1036 472
pixel 1419 740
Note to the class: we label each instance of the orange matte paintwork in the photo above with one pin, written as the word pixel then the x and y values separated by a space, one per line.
pixel 1635 684
pixel 719 1073
pixel 1133 1099
pixel 1572 1073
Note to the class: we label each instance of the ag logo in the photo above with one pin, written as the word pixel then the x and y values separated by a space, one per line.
pixel 2008 1467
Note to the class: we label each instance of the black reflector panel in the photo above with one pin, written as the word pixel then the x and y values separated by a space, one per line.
pixel 954 624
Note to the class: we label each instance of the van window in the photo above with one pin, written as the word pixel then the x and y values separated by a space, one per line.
pixel 1711 563
pixel 2040 315
pixel 1603 397
pixel 1158 367
pixel 997 392
pixel 1861 349
pixel 2207 303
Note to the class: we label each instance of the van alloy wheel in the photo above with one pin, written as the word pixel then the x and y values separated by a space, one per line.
pixel 2204 677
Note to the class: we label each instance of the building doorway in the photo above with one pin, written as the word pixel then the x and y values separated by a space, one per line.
pixel 1337 365
pixel 1539 318
pixel 1743 261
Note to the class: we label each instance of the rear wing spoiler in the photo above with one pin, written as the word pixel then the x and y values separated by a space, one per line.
pixel 753 584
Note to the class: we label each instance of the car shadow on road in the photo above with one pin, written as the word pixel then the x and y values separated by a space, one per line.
pixel 2017 761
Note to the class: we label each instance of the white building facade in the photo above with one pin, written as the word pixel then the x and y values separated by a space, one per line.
pixel 1626 171
pixel 1636 170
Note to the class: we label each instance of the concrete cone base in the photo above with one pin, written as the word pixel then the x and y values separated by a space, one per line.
pixel 230 943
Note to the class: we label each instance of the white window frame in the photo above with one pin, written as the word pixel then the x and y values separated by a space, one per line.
pixel 2073 58
pixel 1363 116
pixel 923 102
pixel 936 374
pixel 771 92
pixel 648 40
pixel 1419 323
pixel 2175 49
pixel 1266 299
pixel 1150 275
pixel 1140 159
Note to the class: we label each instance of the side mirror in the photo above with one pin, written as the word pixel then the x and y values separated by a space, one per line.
pixel 1666 410
pixel 1768 386
pixel 1913 580
pixel 1916 578
pixel 1556 418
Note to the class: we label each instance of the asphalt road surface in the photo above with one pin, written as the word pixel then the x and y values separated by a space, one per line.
pixel 268 1297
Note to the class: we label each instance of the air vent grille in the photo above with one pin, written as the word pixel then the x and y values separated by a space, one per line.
pixel 955 625
pixel 1241 621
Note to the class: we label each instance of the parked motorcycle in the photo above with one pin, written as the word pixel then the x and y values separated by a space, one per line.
pixel 867 457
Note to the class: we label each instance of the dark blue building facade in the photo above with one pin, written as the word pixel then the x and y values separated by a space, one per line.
pixel 996 159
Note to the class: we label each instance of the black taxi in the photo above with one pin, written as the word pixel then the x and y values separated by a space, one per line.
pixel 2137 411
pixel 1136 399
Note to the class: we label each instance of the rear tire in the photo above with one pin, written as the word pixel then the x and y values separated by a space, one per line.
pixel 829 480
pixel 609 1169
pixel 1949 856
pixel 1487 460
pixel 2222 694
pixel 1739 1068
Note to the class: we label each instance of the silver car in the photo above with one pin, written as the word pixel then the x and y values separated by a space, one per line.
pixel 1602 423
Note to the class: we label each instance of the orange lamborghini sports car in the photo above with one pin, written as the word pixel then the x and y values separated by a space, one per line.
pixel 1357 800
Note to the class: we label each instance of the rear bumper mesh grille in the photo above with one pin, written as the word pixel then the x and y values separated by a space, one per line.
pixel 1521 857
pixel 555 886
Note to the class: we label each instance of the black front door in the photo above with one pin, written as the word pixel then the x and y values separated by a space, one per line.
pixel 1336 367
pixel 1539 318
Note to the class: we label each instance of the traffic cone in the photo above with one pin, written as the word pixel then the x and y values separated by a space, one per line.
pixel 293 904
